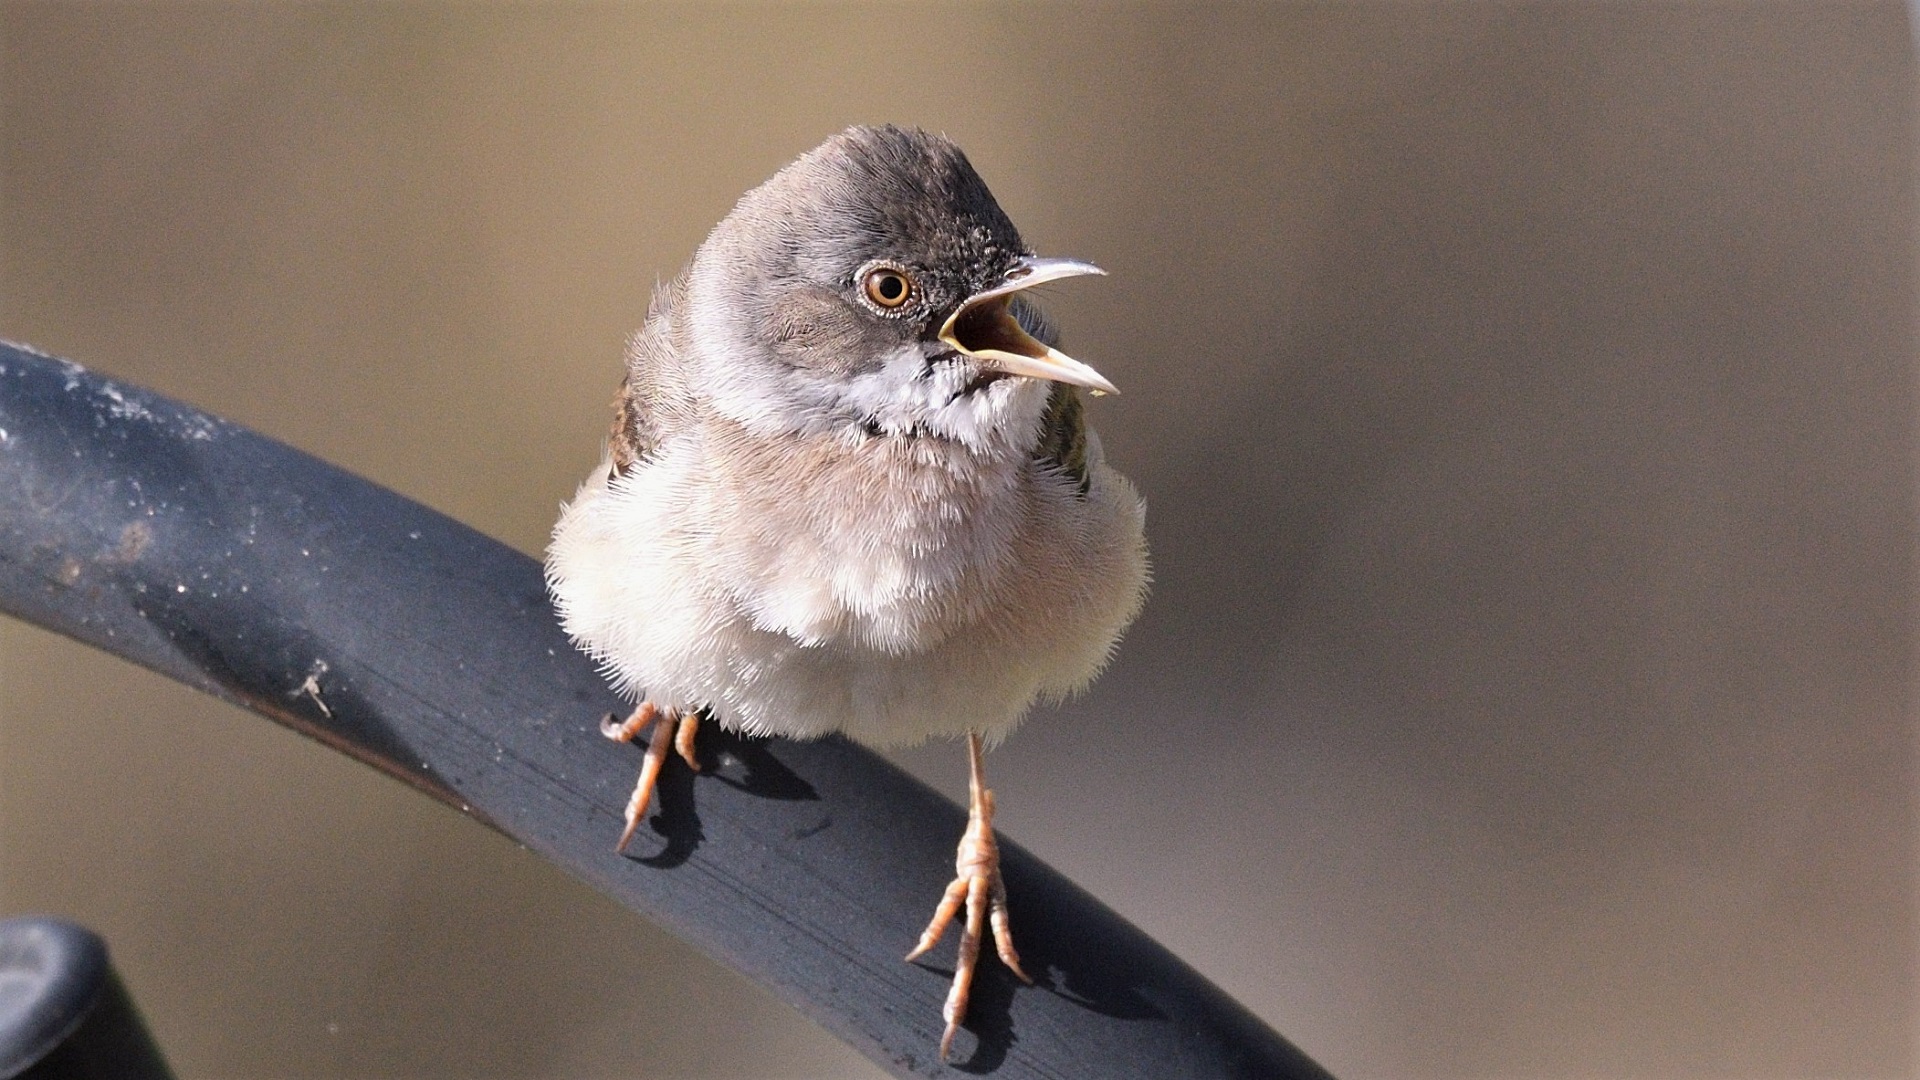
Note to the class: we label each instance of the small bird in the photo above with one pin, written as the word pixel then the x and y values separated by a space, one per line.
pixel 850 488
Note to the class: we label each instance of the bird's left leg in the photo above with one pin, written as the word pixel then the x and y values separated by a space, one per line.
pixel 976 883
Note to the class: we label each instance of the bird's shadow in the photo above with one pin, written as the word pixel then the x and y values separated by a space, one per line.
pixel 760 772
pixel 1068 955
pixel 742 762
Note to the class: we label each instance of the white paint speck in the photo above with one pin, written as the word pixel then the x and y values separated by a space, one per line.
pixel 122 409
pixel 311 688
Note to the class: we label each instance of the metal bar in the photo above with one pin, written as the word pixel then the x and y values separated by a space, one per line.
pixel 266 577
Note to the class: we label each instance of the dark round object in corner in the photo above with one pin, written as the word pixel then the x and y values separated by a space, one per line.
pixel 63 1014
pixel 51 976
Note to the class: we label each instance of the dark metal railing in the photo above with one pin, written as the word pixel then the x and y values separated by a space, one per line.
pixel 266 577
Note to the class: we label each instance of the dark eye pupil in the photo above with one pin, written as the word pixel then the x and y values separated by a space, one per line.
pixel 891 287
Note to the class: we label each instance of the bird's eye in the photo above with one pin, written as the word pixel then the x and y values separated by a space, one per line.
pixel 887 287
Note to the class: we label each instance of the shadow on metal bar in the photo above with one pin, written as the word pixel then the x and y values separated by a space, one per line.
pixel 271 579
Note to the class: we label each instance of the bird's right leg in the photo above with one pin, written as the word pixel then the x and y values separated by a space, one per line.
pixel 665 723
pixel 673 728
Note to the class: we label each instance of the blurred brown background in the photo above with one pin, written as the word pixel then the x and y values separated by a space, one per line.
pixel 1523 396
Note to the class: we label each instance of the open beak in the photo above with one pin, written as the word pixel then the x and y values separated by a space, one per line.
pixel 983 327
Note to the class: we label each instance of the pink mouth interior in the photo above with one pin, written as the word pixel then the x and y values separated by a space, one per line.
pixel 990 326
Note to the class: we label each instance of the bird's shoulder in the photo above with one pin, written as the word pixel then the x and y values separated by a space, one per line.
pixel 1063 436
pixel 652 401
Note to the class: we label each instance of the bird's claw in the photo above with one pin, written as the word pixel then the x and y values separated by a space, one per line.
pixel 619 730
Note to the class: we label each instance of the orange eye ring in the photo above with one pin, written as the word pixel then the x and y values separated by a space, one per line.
pixel 887 287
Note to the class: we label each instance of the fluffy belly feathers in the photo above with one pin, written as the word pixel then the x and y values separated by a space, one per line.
pixel 891 621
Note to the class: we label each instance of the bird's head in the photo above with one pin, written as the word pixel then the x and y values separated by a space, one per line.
pixel 875 286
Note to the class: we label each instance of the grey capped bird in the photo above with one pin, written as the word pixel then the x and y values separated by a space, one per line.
pixel 850 487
